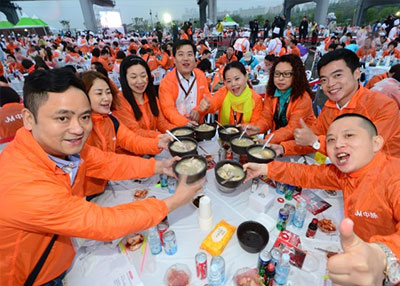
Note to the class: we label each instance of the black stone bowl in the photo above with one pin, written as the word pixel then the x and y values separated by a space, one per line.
pixel 229 186
pixel 241 150
pixel 205 135
pixel 184 153
pixel 189 134
pixel 225 136
pixel 195 177
pixel 252 236
pixel 254 159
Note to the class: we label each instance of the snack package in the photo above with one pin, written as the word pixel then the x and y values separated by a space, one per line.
pixel 289 242
pixel 218 238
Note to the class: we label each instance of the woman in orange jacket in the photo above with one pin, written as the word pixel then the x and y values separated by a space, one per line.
pixel 391 50
pixel 139 109
pixel 287 101
pixel 236 102
pixel 167 60
pixel 108 134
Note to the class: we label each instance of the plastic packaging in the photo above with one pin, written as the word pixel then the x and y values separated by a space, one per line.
pixel 218 238
pixel 178 275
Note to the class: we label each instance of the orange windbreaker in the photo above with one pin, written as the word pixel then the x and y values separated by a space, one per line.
pixel 168 93
pixel 106 63
pixel 372 201
pixel 379 108
pixel 148 125
pixel 259 47
pixel 295 51
pixel 301 108
pixel 37 202
pixel 103 137
pixel 223 60
pixel 361 52
pixel 1 69
pixel 217 100
pixel 10 121
pixel 396 53
pixel 375 79
pixel 167 61
pixel 151 61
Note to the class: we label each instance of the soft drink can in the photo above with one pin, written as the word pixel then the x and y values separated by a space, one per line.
pixel 170 246
pixel 229 154
pixel 282 219
pixel 201 265
pixel 276 255
pixel 161 228
pixel 292 209
pixel 263 259
pixel 280 188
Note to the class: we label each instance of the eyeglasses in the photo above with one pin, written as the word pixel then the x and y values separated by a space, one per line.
pixel 285 74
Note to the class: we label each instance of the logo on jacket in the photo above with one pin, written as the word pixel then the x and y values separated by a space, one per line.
pixel 366 214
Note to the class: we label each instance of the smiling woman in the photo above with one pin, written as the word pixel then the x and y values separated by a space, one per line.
pixel 140 110
pixel 236 101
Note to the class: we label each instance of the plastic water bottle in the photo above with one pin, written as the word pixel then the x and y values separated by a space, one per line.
pixel 154 241
pixel 300 215
pixel 216 276
pixel 282 270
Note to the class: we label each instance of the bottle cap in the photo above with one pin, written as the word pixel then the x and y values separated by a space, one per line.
pixel 270 267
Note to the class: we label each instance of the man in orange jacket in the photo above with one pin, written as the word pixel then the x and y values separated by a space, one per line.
pixel 182 89
pixel 377 78
pixel 339 73
pixel 42 174
pixel 370 182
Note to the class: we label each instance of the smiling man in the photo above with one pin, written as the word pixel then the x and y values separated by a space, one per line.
pixel 182 89
pixel 42 177
pixel 370 181
pixel 339 73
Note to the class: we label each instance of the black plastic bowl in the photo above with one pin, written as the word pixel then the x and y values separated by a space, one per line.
pixel 241 150
pixel 229 185
pixel 252 236
pixel 205 135
pixel 190 132
pixel 254 159
pixel 225 136
pixel 195 177
pixel 181 154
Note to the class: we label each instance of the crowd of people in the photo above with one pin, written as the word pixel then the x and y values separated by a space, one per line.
pixel 78 125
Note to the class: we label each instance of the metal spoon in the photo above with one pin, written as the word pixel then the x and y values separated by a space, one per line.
pixel 244 131
pixel 266 142
pixel 175 138
pixel 227 131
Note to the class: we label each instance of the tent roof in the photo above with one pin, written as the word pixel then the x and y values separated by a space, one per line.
pixel 5 25
pixel 26 22
pixel 228 18
pixel 39 21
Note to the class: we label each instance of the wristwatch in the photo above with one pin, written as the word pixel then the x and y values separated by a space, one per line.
pixel 316 145
pixel 392 271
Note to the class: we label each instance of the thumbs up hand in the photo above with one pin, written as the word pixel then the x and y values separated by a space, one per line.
pixel 204 104
pixel 304 136
pixel 361 263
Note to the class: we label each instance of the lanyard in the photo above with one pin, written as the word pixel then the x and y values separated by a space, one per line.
pixel 240 118
pixel 180 84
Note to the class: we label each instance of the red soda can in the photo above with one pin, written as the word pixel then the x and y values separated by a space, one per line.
pixel 161 228
pixel 201 265
pixel 228 154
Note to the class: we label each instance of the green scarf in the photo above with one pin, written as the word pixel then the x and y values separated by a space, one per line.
pixel 283 98
pixel 243 103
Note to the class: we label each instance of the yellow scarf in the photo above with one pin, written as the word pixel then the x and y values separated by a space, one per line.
pixel 243 103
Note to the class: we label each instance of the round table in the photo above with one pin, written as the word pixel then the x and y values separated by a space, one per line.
pixel 107 264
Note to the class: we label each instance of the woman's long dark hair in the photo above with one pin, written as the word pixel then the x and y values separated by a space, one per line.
pixel 299 84
pixel 127 92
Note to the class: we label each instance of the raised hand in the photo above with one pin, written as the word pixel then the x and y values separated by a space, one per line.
pixel 304 136
pixel 361 263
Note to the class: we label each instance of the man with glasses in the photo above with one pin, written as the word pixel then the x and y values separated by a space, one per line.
pixel 339 73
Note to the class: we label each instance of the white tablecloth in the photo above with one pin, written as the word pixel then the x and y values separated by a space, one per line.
pixel 92 265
